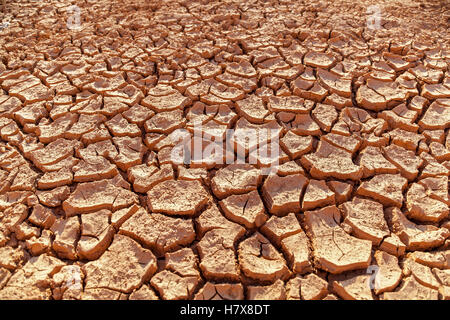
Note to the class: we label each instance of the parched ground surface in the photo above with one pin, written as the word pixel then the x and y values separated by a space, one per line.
pixel 93 205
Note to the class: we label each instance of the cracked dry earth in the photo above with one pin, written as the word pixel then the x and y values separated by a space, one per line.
pixel 93 206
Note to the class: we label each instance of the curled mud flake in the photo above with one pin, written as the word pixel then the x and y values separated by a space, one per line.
pixel 243 69
pixel 439 151
pixel 177 197
pixel 335 84
pixel 165 122
pixel 31 113
pixel 12 217
pixel 55 179
pixel 303 124
pixel 245 84
pixel 370 99
pixel 282 194
pixel 38 245
pixel 411 289
pixel 432 168
pixel 212 218
pixel 33 281
pixel 97 195
pixel 433 259
pixel 422 206
pixel 406 139
pixel 275 291
pixel 180 277
pixel 67 284
pixel 415 236
pixel 67 232
pixel 308 287
pixel 278 228
pixel 24 179
pixel 325 115
pixel 297 252
pixel 86 124
pixel 145 176
pixel 253 109
pixel 389 274
pixel 138 114
pixel 53 197
pixel 96 234
pixel 173 287
pixel 373 162
pixel 334 250
pixel 319 60
pixel 289 168
pixel 259 260
pixel 436 117
pixel 353 285
pixel 200 174
pixel 443 277
pixel 338 101
pixel 123 267
pixel 33 94
pixel 421 273
pixel 401 117
pixel 247 137
pixel 93 168
pixel 247 209
pixel 331 161
pixel 313 287
pixel 393 245
pixel 348 143
pixel 406 161
pixel 444 292
pixel 57 129
pixel 217 256
pixel 54 152
pixel 435 91
pixel 26 231
pixel 366 219
pixel 293 288
pixel 131 152
pixel 143 293
pixel 150 230
pixel 295 145
pixel 376 95
pixel 342 191
pixel 289 104
pixel 120 127
pixel 317 194
pixel 235 179
pixel 385 188
pixel 166 103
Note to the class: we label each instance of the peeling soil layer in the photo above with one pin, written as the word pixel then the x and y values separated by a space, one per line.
pixel 93 204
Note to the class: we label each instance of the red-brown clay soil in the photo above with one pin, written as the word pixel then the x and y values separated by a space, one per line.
pixel 94 206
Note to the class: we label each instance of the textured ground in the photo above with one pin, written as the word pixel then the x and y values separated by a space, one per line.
pixel 93 206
